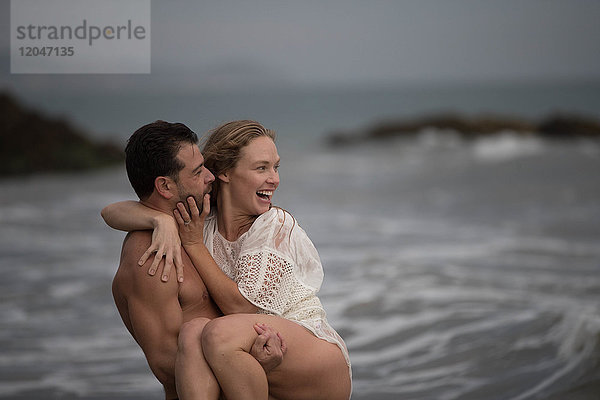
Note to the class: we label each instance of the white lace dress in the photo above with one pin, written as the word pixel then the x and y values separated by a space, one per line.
pixel 277 268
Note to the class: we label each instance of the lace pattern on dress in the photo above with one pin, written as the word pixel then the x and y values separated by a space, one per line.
pixel 225 254
pixel 267 279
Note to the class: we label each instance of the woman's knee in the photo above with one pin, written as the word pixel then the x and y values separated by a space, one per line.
pixel 222 335
pixel 190 334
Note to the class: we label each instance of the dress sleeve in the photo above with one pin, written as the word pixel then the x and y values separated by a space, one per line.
pixel 278 264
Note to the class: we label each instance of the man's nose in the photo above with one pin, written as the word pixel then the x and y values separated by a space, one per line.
pixel 209 177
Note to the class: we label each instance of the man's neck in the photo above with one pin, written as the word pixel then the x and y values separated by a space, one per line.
pixel 158 203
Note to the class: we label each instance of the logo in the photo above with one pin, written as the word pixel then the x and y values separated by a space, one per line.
pixel 80 36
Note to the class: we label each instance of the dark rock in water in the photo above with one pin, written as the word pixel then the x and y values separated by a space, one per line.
pixel 565 127
pixel 31 142
pixel 450 122
pixel 470 128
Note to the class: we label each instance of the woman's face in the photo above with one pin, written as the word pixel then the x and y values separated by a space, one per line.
pixel 255 177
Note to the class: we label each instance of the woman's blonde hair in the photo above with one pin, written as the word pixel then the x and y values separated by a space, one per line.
pixel 224 145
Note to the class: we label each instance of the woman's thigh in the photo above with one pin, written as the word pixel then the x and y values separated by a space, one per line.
pixel 312 368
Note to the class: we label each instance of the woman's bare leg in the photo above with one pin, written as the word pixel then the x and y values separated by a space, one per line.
pixel 239 374
pixel 193 376
pixel 311 368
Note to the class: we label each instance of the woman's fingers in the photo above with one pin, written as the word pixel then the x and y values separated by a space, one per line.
pixel 146 254
pixel 259 329
pixel 268 333
pixel 260 342
pixel 282 343
pixel 193 206
pixel 178 218
pixel 154 266
pixel 178 265
pixel 205 205
pixel 167 269
pixel 190 228
pixel 185 216
pixel 157 257
pixel 169 258
pixel 165 243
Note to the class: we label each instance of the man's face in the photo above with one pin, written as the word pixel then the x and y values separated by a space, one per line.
pixel 194 179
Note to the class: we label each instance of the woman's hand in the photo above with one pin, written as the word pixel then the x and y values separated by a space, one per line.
pixel 191 227
pixel 165 243
pixel 268 348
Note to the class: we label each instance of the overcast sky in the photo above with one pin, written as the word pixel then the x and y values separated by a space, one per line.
pixel 198 44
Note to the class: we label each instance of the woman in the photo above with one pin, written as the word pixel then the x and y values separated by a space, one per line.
pixel 260 267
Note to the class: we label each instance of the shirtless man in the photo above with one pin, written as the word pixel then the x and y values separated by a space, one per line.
pixel 165 166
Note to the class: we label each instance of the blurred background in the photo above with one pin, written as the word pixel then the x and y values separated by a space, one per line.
pixel 442 156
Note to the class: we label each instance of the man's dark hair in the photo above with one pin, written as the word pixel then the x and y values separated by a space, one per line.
pixel 152 151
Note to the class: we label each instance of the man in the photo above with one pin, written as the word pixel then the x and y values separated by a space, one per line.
pixel 165 166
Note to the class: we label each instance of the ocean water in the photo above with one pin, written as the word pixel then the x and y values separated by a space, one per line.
pixel 453 269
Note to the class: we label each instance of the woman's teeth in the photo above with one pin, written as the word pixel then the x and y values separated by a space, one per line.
pixel 265 193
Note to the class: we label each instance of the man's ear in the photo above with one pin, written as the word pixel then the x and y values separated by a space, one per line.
pixel 224 177
pixel 164 186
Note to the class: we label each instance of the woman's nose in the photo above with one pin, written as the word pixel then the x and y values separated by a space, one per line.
pixel 273 178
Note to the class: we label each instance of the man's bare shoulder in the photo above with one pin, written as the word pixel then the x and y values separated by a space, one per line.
pixel 135 243
pixel 132 278
pixel 132 281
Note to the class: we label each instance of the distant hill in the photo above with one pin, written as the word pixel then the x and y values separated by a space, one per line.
pixel 556 127
pixel 33 142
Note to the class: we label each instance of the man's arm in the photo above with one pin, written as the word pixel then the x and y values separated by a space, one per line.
pixel 150 309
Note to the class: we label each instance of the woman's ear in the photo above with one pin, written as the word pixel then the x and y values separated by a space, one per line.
pixel 164 186
pixel 224 177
